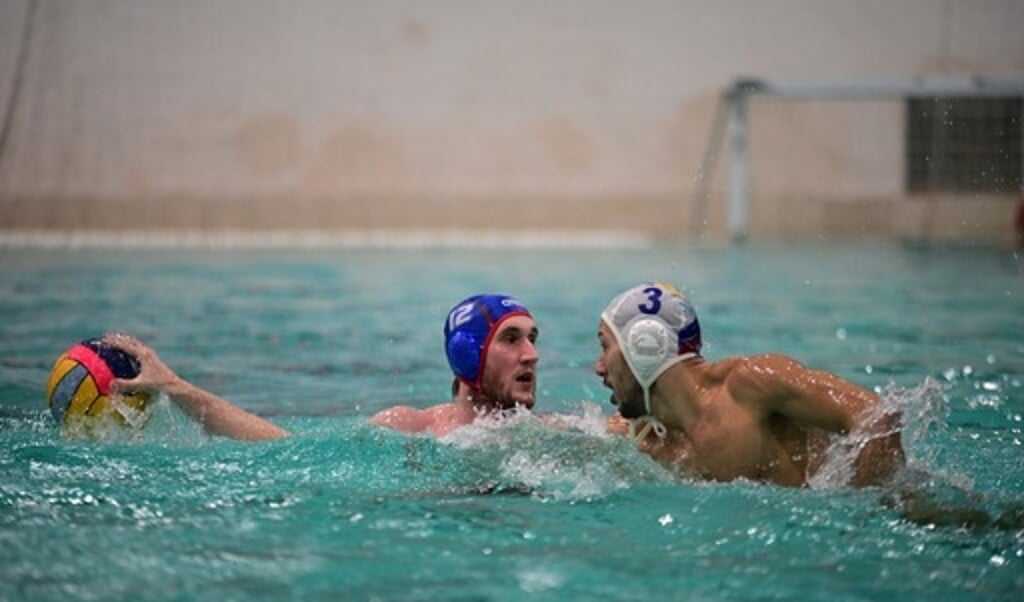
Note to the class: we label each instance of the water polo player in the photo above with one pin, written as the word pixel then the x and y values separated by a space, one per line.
pixel 489 341
pixel 490 344
pixel 763 417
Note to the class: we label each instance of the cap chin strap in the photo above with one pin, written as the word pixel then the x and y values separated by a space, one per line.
pixel 657 373
pixel 650 423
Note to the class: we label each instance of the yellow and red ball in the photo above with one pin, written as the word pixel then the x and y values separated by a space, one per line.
pixel 79 385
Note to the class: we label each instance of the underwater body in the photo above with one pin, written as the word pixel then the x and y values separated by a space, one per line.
pixel 317 340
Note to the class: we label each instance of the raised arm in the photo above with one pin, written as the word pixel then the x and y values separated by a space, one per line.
pixel 217 416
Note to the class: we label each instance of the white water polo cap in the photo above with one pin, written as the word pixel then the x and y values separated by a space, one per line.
pixel 656 327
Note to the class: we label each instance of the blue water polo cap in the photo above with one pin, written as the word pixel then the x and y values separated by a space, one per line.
pixel 469 328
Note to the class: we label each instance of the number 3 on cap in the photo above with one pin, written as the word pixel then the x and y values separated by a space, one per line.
pixel 653 304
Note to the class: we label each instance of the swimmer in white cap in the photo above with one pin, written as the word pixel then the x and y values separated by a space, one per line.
pixel 763 417
pixel 490 344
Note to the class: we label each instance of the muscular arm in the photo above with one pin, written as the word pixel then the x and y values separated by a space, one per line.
pixel 776 384
pixel 780 385
pixel 216 415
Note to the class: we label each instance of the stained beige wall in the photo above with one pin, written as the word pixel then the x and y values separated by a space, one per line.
pixel 400 113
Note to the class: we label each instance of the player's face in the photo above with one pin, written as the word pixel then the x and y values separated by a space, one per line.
pixel 510 370
pixel 611 366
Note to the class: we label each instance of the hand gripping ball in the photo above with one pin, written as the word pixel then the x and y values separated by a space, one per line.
pixel 79 385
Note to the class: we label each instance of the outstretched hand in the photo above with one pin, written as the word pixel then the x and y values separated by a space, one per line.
pixel 218 416
pixel 154 375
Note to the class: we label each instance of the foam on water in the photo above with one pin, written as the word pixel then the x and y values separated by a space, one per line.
pixel 556 456
pixel 925 491
pixel 913 411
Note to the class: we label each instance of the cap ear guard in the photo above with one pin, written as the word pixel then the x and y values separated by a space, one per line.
pixel 648 344
pixel 464 355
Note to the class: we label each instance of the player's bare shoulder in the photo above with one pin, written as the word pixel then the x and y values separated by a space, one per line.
pixel 406 419
pixel 759 377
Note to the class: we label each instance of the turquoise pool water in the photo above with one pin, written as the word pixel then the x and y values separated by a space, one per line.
pixel 319 340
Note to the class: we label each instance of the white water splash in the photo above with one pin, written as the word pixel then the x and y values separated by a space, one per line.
pixel 555 456
pixel 489 429
pixel 537 579
pixel 493 429
pixel 590 421
pixel 920 409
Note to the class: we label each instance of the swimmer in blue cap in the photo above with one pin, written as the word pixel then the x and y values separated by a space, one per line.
pixel 489 341
pixel 490 344
pixel 763 417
